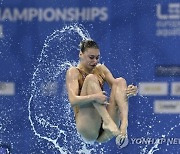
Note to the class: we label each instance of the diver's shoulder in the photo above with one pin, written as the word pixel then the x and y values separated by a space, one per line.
pixel 101 66
pixel 72 69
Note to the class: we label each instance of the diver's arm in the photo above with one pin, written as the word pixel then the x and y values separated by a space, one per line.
pixel 131 89
pixel 108 75
pixel 73 88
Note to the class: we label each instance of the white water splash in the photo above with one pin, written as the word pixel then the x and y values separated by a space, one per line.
pixel 55 125
pixel 158 142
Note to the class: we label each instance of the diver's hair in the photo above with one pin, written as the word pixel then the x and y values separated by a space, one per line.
pixel 88 44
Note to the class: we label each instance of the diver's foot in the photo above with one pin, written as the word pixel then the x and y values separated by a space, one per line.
pixel 111 128
pixel 123 134
pixel 123 128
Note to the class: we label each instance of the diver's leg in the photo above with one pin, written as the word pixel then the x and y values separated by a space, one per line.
pixel 118 108
pixel 89 118
pixel 92 88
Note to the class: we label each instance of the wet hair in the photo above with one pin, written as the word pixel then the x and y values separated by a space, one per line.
pixel 88 44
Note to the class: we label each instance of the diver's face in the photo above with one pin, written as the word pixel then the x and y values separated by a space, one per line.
pixel 90 57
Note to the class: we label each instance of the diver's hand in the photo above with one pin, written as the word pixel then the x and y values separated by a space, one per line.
pixel 101 98
pixel 131 90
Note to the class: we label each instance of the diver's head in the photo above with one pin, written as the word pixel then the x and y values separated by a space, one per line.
pixel 89 53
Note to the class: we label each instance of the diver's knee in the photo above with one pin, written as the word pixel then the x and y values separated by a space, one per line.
pixel 120 81
pixel 91 77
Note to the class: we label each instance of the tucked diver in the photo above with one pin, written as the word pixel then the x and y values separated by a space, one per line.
pixel 96 118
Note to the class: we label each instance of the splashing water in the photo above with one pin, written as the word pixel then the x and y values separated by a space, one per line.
pixel 50 114
pixel 148 148
pixel 156 144
pixel 148 129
